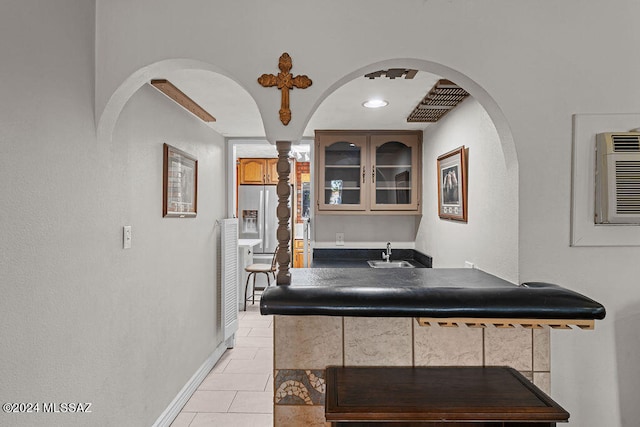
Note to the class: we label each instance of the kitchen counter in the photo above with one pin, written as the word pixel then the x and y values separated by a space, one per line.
pixel 357 258
pixel 422 292
pixel 249 243
pixel 409 317
pixel 356 263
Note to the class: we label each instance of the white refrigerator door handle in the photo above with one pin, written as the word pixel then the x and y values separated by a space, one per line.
pixel 260 213
pixel 266 223
pixel 305 242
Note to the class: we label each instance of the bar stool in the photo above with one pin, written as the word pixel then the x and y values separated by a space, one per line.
pixel 253 270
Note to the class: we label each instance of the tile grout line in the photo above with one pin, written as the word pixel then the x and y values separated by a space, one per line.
pixel 193 418
pixel 259 348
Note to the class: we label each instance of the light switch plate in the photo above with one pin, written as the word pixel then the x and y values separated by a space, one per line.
pixel 126 237
pixel 339 239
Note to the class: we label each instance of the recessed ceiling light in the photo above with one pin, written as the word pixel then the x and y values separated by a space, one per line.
pixel 375 103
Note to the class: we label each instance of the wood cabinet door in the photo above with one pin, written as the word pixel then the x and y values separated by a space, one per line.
pixel 298 253
pixel 394 161
pixel 341 166
pixel 298 258
pixel 252 171
pixel 272 171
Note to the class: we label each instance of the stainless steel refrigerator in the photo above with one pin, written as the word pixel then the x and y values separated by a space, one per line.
pixel 258 220
pixel 257 210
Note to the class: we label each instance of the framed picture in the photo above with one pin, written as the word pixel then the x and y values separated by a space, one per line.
pixel 179 184
pixel 452 185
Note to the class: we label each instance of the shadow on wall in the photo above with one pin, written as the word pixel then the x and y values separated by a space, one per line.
pixel 627 350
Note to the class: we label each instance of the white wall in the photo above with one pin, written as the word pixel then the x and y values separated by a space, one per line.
pixel 489 239
pixel 530 64
pixel 81 319
pixel 361 231
pixel 171 270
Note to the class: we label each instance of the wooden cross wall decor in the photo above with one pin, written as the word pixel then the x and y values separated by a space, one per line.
pixel 285 81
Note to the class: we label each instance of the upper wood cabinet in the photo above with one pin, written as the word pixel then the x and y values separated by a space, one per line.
pixel 342 169
pixel 374 172
pixel 394 162
pixel 258 171
pixel 272 171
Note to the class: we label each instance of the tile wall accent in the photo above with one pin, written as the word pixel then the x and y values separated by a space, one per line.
pixel 307 342
pixel 543 381
pixel 377 341
pixel 298 416
pixel 306 345
pixel 444 346
pixel 541 350
pixel 509 347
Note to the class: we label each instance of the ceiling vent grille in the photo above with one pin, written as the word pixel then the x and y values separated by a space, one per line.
pixel 443 97
pixel 393 73
pixel 618 178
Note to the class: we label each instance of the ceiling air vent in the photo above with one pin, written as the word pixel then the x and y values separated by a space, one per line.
pixel 393 73
pixel 618 178
pixel 442 98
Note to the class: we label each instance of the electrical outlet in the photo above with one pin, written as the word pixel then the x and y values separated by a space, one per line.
pixel 126 237
pixel 339 239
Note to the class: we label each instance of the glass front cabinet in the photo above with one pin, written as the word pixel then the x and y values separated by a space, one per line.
pixel 368 171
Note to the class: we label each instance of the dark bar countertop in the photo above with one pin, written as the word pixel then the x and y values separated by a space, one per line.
pixel 422 292
pixel 357 258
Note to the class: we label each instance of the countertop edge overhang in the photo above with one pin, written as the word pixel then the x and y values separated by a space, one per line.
pixel 435 293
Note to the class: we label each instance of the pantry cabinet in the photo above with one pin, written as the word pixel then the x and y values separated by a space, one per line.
pixel 374 172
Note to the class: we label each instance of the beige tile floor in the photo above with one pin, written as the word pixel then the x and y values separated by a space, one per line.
pixel 238 391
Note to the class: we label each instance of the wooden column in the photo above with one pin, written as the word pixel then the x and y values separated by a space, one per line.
pixel 283 256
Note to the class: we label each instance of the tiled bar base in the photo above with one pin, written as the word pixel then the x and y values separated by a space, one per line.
pixel 305 345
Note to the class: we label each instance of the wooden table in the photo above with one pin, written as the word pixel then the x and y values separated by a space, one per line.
pixel 437 396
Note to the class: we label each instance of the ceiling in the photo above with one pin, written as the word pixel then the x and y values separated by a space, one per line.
pixel 237 114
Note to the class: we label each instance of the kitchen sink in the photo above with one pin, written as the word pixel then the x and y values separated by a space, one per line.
pixel 389 264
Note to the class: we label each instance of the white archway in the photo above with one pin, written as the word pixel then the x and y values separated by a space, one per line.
pixel 477 91
pixel 107 121
pixel 497 188
pixel 128 88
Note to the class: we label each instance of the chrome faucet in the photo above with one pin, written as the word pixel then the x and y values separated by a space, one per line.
pixel 387 256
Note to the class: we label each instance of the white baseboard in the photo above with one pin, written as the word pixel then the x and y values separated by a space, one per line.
pixel 171 412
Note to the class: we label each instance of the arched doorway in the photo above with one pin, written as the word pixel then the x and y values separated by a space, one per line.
pixel 212 85
pixel 489 239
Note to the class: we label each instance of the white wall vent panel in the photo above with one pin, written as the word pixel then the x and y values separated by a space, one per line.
pixel 624 142
pixel 618 178
pixel 229 275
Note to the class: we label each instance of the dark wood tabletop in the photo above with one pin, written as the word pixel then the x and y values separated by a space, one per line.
pixel 436 394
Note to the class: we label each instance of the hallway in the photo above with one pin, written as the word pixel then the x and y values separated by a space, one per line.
pixel 239 389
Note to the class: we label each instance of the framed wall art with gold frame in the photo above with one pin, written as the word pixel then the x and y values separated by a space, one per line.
pixel 452 185
pixel 179 183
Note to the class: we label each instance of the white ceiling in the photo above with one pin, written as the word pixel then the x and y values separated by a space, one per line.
pixel 237 114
